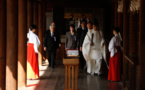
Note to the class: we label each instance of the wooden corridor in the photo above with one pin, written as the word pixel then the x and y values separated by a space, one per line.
pixel 55 80
pixel 17 15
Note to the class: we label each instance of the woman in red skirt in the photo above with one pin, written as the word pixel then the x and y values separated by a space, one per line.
pixel 114 73
pixel 32 53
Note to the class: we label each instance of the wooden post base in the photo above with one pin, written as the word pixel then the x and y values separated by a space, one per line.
pixel 71 73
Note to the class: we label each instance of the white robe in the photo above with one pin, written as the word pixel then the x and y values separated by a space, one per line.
pixel 115 41
pixel 94 54
pixel 33 38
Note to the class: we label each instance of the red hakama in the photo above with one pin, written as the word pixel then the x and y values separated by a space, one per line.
pixel 32 62
pixel 115 66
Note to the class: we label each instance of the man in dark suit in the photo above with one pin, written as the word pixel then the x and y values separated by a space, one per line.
pixel 51 44
pixel 81 32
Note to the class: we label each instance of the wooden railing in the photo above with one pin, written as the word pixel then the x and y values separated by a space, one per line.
pixel 71 67
pixel 129 60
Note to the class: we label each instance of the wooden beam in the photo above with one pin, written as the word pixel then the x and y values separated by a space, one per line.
pixel 35 14
pixel 120 22
pixel 22 42
pixel 12 45
pixel 29 14
pixel 116 14
pixel 142 45
pixel 40 31
pixel 125 38
pixel 2 44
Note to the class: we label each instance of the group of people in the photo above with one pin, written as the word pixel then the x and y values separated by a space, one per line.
pixel 89 41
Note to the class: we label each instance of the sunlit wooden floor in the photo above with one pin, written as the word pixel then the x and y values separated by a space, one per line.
pixel 55 80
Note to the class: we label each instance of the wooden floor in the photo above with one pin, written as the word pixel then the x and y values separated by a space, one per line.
pixel 55 80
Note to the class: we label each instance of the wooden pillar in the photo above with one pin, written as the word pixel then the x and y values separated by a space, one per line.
pixel 73 77
pixel 116 14
pixel 59 20
pixel 29 13
pixel 40 31
pixel 76 76
pixel 133 48
pixel 120 22
pixel 66 77
pixel 12 45
pixel 134 26
pixel 142 45
pixel 44 27
pixel 69 77
pixel 125 37
pixel 2 44
pixel 22 42
pixel 35 14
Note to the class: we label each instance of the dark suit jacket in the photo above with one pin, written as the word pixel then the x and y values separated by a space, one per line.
pixel 51 43
pixel 81 36
pixel 71 41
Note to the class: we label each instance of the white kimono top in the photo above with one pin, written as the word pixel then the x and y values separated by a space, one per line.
pixel 97 51
pixel 115 41
pixel 33 38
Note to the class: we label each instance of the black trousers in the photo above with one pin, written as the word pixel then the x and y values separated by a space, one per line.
pixel 51 58
pixel 82 60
